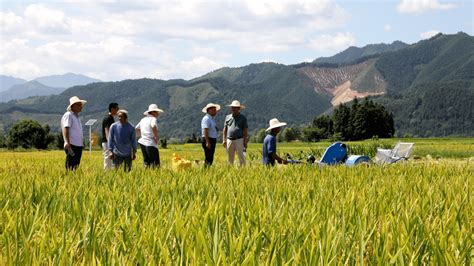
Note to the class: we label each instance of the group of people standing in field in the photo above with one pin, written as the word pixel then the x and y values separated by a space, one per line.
pixel 119 142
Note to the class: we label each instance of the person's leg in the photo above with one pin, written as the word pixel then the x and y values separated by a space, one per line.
pixel 73 157
pixel 118 160
pixel 68 160
pixel 107 160
pixel 146 158
pixel 207 160
pixel 212 150
pixel 154 156
pixel 78 151
pixel 230 151
pixel 239 147
pixel 127 163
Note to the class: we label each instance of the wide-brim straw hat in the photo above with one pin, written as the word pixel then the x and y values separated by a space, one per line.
pixel 153 108
pixel 236 103
pixel 274 123
pixel 73 100
pixel 210 105
pixel 122 111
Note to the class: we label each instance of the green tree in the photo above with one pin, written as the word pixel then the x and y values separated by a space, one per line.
pixel 326 124
pixel 28 134
pixel 341 122
pixel 289 134
pixel 2 141
pixel 259 135
pixel 313 134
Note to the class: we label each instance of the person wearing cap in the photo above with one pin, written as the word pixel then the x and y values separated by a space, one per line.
pixel 106 123
pixel 209 132
pixel 148 130
pixel 122 142
pixel 235 135
pixel 270 142
pixel 72 133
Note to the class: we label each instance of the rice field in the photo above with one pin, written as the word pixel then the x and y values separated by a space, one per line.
pixel 418 212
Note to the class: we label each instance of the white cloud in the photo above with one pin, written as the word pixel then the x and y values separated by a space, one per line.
pixel 47 19
pixel 419 6
pixel 428 34
pixel 164 39
pixel 332 43
pixel 387 27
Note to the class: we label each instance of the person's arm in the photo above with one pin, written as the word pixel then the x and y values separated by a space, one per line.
pixel 246 137
pixel 245 131
pixel 106 133
pixel 134 145
pixel 206 137
pixel 67 142
pixel 278 158
pixel 154 129
pixel 224 136
pixel 138 132
pixel 110 142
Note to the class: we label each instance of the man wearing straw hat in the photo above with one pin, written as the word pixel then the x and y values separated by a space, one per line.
pixel 122 142
pixel 209 132
pixel 72 133
pixel 147 128
pixel 235 135
pixel 270 142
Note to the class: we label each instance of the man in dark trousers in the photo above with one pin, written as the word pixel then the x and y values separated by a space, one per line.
pixel 71 126
pixel 106 123
pixel 209 132
pixel 122 142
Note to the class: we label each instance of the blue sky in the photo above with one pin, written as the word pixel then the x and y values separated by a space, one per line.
pixel 116 40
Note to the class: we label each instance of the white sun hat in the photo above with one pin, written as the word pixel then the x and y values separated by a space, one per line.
pixel 236 103
pixel 210 105
pixel 122 111
pixel 73 100
pixel 274 123
pixel 153 108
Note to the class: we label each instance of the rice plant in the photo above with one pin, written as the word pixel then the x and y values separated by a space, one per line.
pixel 419 212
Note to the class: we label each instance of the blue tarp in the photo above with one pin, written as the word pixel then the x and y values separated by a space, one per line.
pixel 334 154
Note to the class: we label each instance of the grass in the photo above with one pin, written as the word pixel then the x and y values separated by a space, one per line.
pixel 418 212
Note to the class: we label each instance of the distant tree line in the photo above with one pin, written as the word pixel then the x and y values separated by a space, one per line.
pixel 356 122
pixel 29 134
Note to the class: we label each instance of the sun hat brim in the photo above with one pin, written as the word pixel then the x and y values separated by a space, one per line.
pixel 218 107
pixel 77 101
pixel 281 124
pixel 153 110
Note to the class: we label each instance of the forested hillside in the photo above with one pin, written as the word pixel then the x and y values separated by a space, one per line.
pixel 428 86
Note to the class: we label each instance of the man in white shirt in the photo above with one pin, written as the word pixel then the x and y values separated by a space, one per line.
pixel 72 133
pixel 209 132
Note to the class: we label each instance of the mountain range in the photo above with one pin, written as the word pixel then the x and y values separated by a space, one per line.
pixel 428 86
pixel 12 88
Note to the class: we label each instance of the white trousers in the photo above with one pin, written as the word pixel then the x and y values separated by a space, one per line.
pixel 235 146
pixel 108 164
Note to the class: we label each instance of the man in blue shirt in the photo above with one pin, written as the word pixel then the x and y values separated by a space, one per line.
pixel 122 142
pixel 209 132
pixel 269 143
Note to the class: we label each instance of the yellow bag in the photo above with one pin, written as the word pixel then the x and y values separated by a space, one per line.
pixel 179 164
